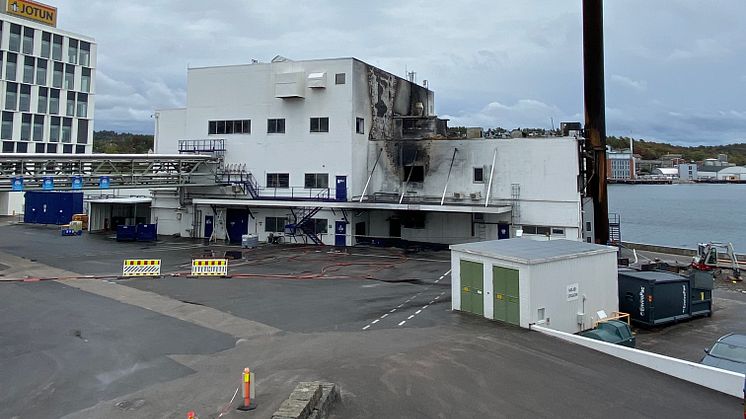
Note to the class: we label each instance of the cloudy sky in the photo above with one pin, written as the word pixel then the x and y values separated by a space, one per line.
pixel 675 69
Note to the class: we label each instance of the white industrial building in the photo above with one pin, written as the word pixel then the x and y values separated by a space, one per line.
pixel 48 87
pixel 688 172
pixel 337 151
pixel 561 284
pixel 734 173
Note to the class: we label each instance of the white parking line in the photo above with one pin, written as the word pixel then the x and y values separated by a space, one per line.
pixel 402 323
pixel 366 327
pixel 384 316
pixel 437 297
pixel 425 306
pixel 375 321
pixel 392 310
pixel 418 312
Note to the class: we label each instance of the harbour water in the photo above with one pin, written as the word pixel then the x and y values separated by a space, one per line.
pixel 681 215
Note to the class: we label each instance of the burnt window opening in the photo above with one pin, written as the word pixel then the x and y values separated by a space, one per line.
pixel 479 175
pixel 339 78
pixel 278 180
pixel 414 173
pixel 414 220
pixel 320 124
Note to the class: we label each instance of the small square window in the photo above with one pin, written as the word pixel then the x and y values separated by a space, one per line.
pixel 319 124
pixel 339 78
pixel 588 226
pixel 275 126
pixel 278 180
pixel 414 173
pixel 558 231
pixel 360 125
pixel 479 175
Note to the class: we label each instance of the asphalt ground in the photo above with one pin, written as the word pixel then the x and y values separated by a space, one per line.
pixel 296 314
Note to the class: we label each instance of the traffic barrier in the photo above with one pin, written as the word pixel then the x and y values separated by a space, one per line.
pixel 209 267
pixel 248 390
pixel 141 267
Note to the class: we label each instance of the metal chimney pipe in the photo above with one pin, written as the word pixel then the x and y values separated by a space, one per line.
pixel 595 114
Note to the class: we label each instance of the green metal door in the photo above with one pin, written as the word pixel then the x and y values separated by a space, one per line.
pixel 472 285
pixel 507 301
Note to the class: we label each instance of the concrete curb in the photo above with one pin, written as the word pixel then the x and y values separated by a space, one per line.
pixel 309 400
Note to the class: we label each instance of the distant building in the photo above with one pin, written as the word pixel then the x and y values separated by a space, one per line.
pixel 666 172
pixel 688 172
pixel 735 173
pixel 710 167
pixel 620 164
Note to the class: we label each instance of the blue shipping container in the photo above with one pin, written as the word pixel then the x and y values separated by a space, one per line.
pixel 125 233
pixel 51 207
pixel 147 232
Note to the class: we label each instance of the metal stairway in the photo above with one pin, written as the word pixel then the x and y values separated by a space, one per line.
pixel 615 230
pixel 305 224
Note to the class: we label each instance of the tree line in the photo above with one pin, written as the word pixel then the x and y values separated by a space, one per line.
pixel 111 142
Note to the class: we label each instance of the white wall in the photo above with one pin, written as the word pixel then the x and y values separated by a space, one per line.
pixel 727 382
pixel 11 203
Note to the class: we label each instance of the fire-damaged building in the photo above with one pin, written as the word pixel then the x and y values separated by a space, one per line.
pixel 338 152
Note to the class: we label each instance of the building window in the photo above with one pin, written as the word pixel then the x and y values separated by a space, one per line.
pixel 85 53
pixel 317 180
pixel 479 175
pixel 14 43
pixel 28 41
pixel 6 131
pixel 69 77
pixel 54 129
pixel 70 108
pixel 72 51
pixel 38 127
pixel 588 226
pixel 319 225
pixel 339 78
pixel 11 62
pixel 42 102
pixel 52 148
pixel 537 230
pixel 360 125
pixel 25 98
pixel 275 224
pixel 85 80
pixel 276 126
pixel 414 173
pixel 54 101
pixel 319 124
pixel 28 70
pixel 79 149
pixel 558 231
pixel 7 146
pixel 11 96
pixel 41 72
pixel 278 180
pixel 67 128
pixel 57 75
pixel 82 131
pixel 46 39
pixel 67 149
pixel 229 127
pixel 57 48
pixel 82 105
pixel 40 148
pixel 26 127
pixel 21 147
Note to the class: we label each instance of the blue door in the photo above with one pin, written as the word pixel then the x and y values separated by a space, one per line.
pixel 340 234
pixel 503 231
pixel 341 192
pixel 237 224
pixel 208 225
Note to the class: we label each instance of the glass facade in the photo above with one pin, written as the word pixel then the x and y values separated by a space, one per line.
pixel 47 94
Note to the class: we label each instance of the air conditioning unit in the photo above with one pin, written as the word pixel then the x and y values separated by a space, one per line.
pixel 458 196
pixel 476 196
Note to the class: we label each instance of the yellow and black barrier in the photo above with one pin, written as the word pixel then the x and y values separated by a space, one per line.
pixel 141 267
pixel 209 267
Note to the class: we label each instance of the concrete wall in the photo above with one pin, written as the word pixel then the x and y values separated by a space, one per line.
pixel 714 378
pixel 11 203
pixel 545 286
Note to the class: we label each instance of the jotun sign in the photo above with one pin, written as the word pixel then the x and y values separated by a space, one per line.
pixel 32 10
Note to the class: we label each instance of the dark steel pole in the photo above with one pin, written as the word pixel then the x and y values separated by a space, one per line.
pixel 595 114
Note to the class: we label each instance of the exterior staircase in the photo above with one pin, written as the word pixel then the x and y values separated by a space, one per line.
pixel 304 225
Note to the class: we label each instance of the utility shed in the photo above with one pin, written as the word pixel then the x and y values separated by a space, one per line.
pixel 561 284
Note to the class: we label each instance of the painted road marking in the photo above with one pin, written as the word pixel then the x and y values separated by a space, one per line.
pixel 384 316
pixel 432 302
pixel 402 323
pixel 399 306
pixel 393 309
pixel 425 306
pixel 410 317
pixel 418 312
pixel 375 321
pixel 437 297
pixel 366 327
